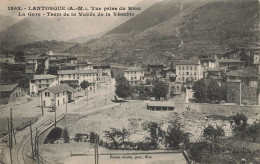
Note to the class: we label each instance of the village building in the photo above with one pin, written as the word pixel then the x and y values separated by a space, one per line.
pixel 135 76
pixel 103 72
pixel 7 58
pixel 74 78
pixel 243 87
pixel 188 69
pixel 9 92
pixel 256 63
pixel 40 82
pixel 56 95
pixel 230 64
pixel 216 74
pixel 207 62
pixel 37 64
pixel 84 65
pixel 161 106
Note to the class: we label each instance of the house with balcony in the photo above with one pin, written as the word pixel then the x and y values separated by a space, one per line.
pixel 135 75
pixel 73 78
pixel 40 82
pixel 243 86
pixel 103 72
pixel 56 96
pixel 188 70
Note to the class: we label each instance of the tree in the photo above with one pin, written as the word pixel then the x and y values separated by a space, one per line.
pixel 209 131
pixel 153 128
pixel 214 91
pixel 200 91
pixel 240 125
pixel 175 136
pixel 84 85
pixel 160 89
pixel 123 88
pixel 254 131
pixel 66 136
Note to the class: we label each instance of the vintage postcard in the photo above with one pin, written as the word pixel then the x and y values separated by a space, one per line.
pixel 129 82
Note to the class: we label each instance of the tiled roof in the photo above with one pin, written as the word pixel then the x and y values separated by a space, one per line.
pixel 247 72
pixel 216 77
pixel 42 77
pixel 60 88
pixel 8 88
pixel 66 72
pixel 134 69
pixel 187 62
pixel 230 61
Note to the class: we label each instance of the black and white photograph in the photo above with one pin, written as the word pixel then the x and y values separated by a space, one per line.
pixel 129 82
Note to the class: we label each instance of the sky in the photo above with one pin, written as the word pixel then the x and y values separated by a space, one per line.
pixel 26 3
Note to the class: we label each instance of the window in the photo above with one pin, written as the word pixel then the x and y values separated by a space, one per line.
pixel 195 68
pixel 47 85
pixel 187 73
pixel 63 100
pixel 195 73
pixel 40 86
pixel 46 94
pixel 58 95
pixel 187 68
pixel 61 75
pixel 47 80
pixel 183 67
pixel 63 93
pixel 179 67
pixel 190 67
pixel 39 81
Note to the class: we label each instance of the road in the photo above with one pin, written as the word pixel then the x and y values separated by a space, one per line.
pixel 96 102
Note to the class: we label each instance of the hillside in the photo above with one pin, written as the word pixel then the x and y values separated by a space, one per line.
pixel 6 21
pixel 44 46
pixel 32 29
pixel 170 28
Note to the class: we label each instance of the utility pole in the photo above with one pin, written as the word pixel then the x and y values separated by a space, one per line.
pixel 10 138
pixel 213 148
pixel 96 148
pixel 41 103
pixel 105 99
pixel 31 139
pixel 55 115
pixel 87 96
pixel 67 103
pixel 35 144
pixel 11 128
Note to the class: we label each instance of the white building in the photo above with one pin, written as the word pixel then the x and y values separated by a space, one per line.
pixel 56 95
pixel 135 76
pixel 40 82
pixel 74 77
pixel 190 69
pixel 103 73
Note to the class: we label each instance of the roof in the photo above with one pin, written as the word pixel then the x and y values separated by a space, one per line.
pixel 69 81
pixel 230 61
pixel 133 69
pixel 187 62
pixel 216 77
pixel 214 70
pixel 42 77
pixel 233 81
pixel 247 72
pixel 66 72
pixel 60 88
pixel 8 88
pixel 35 57
pixel 257 62
pixel 162 103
